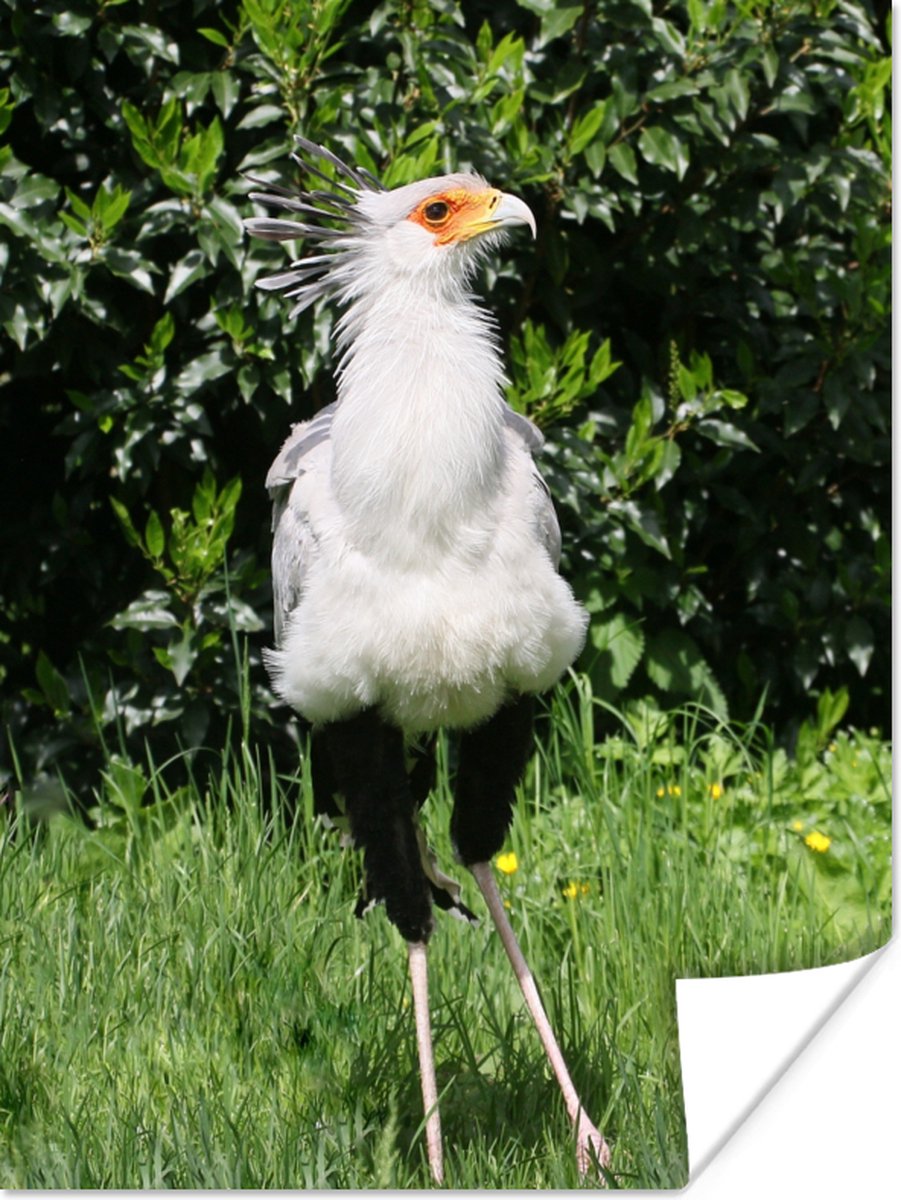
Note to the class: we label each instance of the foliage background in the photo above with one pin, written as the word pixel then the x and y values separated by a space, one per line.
pixel 702 328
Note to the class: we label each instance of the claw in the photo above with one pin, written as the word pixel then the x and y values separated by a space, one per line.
pixel 591 1149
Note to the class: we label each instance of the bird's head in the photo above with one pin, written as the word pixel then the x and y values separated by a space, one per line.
pixel 439 225
pixel 434 228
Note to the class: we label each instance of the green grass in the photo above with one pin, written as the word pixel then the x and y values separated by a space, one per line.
pixel 187 1001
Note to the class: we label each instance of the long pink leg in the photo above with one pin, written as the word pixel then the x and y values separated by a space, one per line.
pixel 591 1149
pixel 420 980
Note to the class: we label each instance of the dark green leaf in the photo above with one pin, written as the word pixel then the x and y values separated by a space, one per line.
pixel 154 537
pixel 150 611
pixel 860 642
pixel 663 149
pixel 622 158
pixel 725 434
pixel 214 36
pixel 675 664
pixel 192 267
pixel 53 685
pixel 618 645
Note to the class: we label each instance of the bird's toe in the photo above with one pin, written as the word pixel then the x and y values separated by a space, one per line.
pixel 592 1152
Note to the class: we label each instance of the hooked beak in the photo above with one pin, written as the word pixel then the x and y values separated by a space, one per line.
pixel 510 210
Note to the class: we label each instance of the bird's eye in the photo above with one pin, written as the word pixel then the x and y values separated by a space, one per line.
pixel 436 211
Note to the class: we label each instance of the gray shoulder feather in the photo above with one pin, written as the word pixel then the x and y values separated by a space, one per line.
pixel 524 428
pixel 293 538
pixel 291 545
pixel 300 441
pixel 547 527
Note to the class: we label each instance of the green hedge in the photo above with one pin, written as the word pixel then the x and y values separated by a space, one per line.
pixel 702 328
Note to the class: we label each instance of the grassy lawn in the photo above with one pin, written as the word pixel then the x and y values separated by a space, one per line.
pixel 186 999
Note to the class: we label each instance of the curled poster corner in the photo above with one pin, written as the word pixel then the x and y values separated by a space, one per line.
pixel 740 1035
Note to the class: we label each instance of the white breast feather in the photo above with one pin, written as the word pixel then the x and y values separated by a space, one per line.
pixel 430 646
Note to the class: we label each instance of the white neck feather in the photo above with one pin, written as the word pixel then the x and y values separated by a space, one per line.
pixel 417 439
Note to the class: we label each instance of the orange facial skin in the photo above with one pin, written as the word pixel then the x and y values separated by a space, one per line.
pixel 457 215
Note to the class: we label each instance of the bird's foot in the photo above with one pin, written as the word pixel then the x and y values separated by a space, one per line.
pixel 592 1152
pixel 436 1161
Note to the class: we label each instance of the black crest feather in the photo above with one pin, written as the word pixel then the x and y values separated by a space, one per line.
pixel 332 217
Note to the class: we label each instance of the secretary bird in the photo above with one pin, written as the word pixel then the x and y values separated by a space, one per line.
pixel 415 550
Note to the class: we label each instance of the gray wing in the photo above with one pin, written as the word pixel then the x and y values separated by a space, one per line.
pixel 300 441
pixel 292 534
pixel 547 527
pixel 525 429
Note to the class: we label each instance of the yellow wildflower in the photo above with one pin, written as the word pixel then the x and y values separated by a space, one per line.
pixel 661 791
pixel 507 863
pixel 572 890
pixel 675 790
pixel 818 841
pixel 797 826
pixel 716 790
